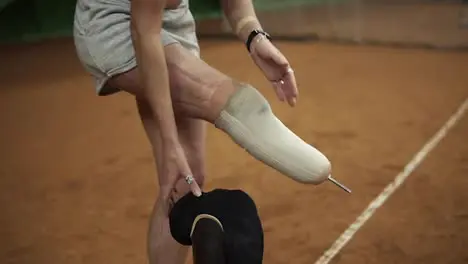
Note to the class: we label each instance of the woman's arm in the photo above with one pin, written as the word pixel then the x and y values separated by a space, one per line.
pixel 241 16
pixel 146 22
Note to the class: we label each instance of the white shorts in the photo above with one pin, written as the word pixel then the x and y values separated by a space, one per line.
pixel 103 39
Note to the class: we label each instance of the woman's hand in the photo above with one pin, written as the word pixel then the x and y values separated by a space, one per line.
pixel 276 69
pixel 174 166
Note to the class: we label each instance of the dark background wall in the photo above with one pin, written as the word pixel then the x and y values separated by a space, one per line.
pixel 431 23
pixel 31 20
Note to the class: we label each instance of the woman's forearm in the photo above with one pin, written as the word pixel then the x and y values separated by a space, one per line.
pixel 241 16
pixel 149 51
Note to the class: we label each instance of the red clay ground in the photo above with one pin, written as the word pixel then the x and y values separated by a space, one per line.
pixel 77 179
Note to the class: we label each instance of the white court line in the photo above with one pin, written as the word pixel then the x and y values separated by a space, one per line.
pixel 392 187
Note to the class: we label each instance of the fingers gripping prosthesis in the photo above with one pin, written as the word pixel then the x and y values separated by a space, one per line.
pixel 248 119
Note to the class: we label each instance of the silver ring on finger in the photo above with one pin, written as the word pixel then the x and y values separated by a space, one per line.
pixel 288 71
pixel 189 179
pixel 278 82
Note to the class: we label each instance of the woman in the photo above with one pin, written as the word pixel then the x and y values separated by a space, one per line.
pixel 148 48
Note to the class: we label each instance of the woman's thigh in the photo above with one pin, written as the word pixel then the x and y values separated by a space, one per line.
pixel 197 89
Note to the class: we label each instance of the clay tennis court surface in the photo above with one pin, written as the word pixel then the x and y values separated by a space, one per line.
pixel 77 178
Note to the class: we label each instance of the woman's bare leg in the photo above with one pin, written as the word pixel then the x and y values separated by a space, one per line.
pixel 162 248
pixel 195 99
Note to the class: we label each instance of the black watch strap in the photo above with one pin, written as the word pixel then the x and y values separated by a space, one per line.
pixel 253 34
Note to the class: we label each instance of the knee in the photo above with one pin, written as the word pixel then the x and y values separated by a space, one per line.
pixel 217 96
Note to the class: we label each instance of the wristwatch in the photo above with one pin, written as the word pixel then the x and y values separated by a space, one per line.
pixel 253 34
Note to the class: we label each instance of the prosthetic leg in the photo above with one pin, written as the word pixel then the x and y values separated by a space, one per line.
pixel 248 119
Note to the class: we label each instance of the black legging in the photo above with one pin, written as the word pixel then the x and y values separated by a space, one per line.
pixel 207 239
pixel 239 241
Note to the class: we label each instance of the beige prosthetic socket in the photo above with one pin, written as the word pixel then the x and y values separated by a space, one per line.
pixel 248 119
